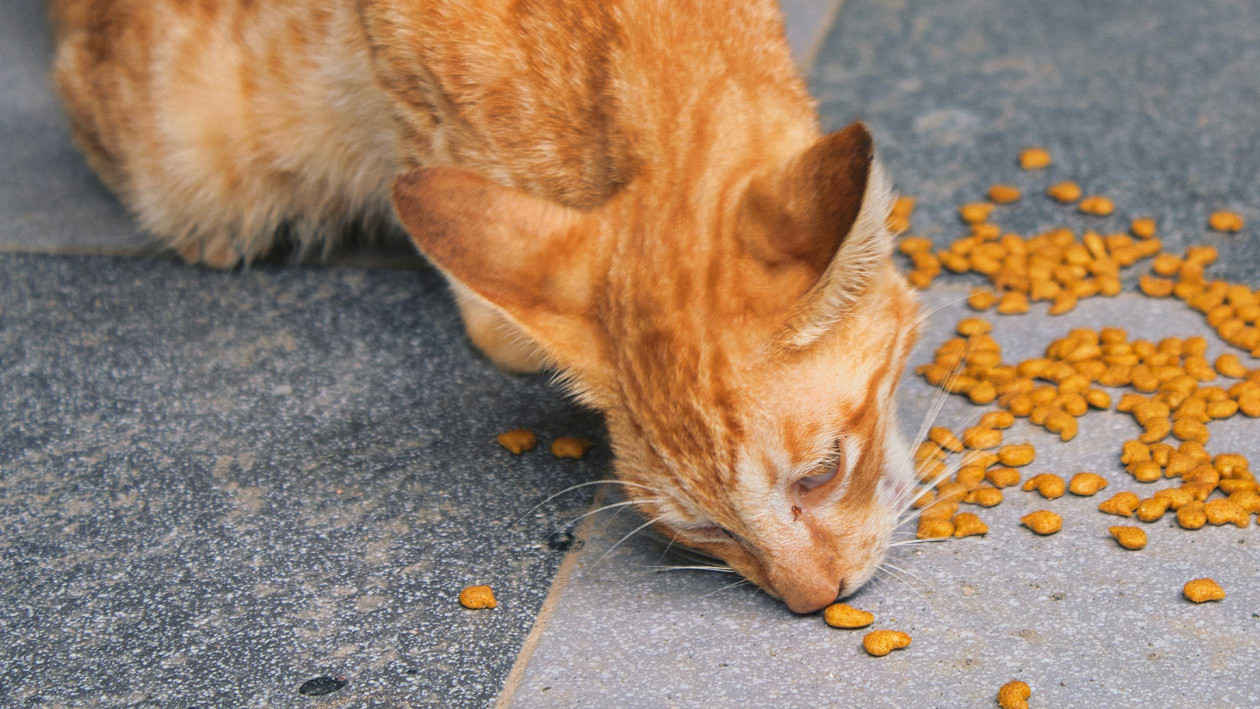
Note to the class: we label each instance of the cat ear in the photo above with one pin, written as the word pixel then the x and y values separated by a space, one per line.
pixel 824 211
pixel 526 257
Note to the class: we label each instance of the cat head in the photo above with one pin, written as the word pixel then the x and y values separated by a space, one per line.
pixel 743 337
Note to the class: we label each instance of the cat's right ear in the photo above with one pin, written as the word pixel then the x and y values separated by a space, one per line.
pixel 531 259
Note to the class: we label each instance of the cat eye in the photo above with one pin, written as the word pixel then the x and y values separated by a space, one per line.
pixel 711 533
pixel 816 481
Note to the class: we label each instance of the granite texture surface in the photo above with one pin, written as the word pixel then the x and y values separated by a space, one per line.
pixel 215 487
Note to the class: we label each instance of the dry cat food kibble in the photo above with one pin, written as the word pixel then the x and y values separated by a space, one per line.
pixel 1002 477
pixel 1225 221
pixel 518 440
pixel 1203 590
pixel 568 447
pixel 1034 158
pixel 1066 192
pixel 1042 522
pixel 967 524
pixel 1142 228
pixel 843 615
pixel 1016 455
pixel 983 496
pixel 1129 537
pixel 1097 205
pixel 1050 486
pixel 1004 194
pixel 1086 484
pixel 1122 504
pixel 477 597
pixel 881 642
pixel 1014 695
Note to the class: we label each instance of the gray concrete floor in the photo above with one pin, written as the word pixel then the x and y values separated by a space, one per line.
pixel 174 440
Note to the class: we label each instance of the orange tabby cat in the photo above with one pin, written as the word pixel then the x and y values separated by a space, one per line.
pixel 633 191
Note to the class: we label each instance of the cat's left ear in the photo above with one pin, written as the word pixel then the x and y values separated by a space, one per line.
pixel 531 259
pixel 823 212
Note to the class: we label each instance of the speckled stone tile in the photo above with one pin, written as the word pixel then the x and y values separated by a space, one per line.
pixel 1083 621
pixel 215 487
pixel 1155 103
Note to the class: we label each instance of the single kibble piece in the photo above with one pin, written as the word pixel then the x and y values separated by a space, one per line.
pixel 967 524
pixel 1014 695
pixel 945 438
pixel 477 597
pixel 981 299
pixel 1049 485
pixel 1122 504
pixel 997 419
pixel 570 447
pixel 978 438
pixel 1002 477
pixel 983 496
pixel 1143 228
pixel 1155 287
pixel 1097 205
pixel 1225 221
pixel 1129 537
pixel 843 615
pixel 1013 303
pixel 1042 522
pixel 1034 158
pixel 1152 508
pixel 1004 194
pixel 1016 454
pixel 1192 515
pixel 975 212
pixel 1203 590
pixel 1086 484
pixel 1065 192
pixel 1223 511
pixel 881 642
pixel 935 527
pixel 518 440
pixel 974 326
pixel 1230 366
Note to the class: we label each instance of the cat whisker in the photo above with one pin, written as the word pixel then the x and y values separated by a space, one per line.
pixel 701 567
pixel 724 588
pixel 586 484
pixel 597 510
pixel 914 590
pixel 632 532
pixel 912 575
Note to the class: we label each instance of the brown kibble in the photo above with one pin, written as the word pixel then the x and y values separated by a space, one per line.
pixel 1086 484
pixel 982 393
pixel 967 524
pixel 978 438
pixel 997 419
pixel 1143 228
pixel 982 299
pixel 1121 503
pixel 1203 590
pixel 1016 455
pixel 945 438
pixel 924 500
pixel 843 615
pixel 975 212
pixel 1014 695
pixel 1145 471
pixel 1230 366
pixel 1135 451
pixel 881 642
pixel 518 440
pixel 1013 303
pixel 1042 522
pixel 1175 497
pixel 1097 205
pixel 1225 511
pixel 903 205
pixel 935 527
pixel 974 326
pixel 1155 287
pixel 1034 158
pixel 1049 485
pixel 1190 430
pixel 477 597
pixel 1225 221
pixel 1129 537
pixel 1065 192
pixel 1152 508
pixel 983 496
pixel 570 447
pixel 1191 515
pixel 1004 194
pixel 1002 477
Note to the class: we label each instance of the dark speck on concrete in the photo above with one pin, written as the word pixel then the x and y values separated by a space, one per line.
pixel 321 685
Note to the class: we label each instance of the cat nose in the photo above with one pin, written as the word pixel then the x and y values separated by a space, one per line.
pixel 806 601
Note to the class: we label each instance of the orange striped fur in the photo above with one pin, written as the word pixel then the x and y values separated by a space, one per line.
pixel 635 192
